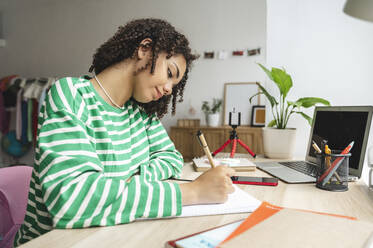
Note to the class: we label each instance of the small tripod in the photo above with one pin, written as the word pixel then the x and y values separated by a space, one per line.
pixel 234 138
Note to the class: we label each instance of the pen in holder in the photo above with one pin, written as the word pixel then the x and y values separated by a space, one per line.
pixel 333 171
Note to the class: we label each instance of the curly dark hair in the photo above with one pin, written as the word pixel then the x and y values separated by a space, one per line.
pixel 125 44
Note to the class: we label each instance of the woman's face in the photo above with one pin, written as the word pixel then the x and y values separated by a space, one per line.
pixel 167 73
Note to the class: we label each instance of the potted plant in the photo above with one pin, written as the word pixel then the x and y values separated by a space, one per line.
pixel 212 112
pixel 278 139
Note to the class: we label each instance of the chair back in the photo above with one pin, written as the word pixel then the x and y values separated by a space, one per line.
pixel 14 188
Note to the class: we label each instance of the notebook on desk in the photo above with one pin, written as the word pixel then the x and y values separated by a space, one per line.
pixel 339 125
pixel 238 202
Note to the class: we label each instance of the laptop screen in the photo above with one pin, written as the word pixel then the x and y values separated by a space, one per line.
pixel 340 126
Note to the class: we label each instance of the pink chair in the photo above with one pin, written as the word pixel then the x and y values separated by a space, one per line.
pixel 14 187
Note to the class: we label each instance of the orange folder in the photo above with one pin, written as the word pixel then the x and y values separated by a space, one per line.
pixel 264 211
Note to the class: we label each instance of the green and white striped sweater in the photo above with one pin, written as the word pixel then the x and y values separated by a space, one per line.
pixel 97 165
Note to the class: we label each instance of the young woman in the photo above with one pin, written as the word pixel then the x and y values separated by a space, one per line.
pixel 102 154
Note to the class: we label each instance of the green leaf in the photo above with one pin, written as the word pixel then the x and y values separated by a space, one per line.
pixel 307 102
pixel 281 114
pixel 272 123
pixel 283 81
pixel 308 118
pixel 216 105
pixel 257 94
pixel 270 98
pixel 205 107
pixel 295 104
pixel 268 72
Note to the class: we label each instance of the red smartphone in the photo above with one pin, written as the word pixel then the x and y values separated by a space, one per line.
pixel 268 181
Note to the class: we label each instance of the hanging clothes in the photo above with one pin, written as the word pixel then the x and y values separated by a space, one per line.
pixel 44 91
pixel 5 81
pixel 24 123
pixel 29 120
pixel 35 114
pixel 25 96
pixel 10 94
pixel 19 114
pixel 4 113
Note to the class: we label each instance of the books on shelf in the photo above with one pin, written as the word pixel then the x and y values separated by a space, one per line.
pixel 239 164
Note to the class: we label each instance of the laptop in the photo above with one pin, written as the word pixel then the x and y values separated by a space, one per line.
pixel 339 125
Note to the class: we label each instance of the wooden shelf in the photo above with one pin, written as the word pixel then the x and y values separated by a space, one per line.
pixel 186 142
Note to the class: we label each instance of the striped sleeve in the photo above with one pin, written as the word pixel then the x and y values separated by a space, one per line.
pixel 77 193
pixel 165 161
pixel 75 189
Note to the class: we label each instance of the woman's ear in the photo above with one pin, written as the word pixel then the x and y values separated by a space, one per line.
pixel 144 48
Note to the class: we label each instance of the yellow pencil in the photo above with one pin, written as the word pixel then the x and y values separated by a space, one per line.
pixel 206 149
pixel 328 152
pixel 328 161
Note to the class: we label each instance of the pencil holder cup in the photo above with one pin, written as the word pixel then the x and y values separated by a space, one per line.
pixel 333 171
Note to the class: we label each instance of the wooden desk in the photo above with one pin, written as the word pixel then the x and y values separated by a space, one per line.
pixel 357 202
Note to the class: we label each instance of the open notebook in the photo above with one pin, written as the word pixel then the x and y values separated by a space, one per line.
pixel 238 202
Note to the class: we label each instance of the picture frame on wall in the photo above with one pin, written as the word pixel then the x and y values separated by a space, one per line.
pixel 236 99
pixel 258 116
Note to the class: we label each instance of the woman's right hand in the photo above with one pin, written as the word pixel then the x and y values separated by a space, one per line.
pixel 213 186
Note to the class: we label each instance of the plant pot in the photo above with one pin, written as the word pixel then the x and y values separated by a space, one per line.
pixel 279 143
pixel 212 120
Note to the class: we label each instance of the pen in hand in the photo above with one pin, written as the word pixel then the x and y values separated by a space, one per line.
pixel 206 149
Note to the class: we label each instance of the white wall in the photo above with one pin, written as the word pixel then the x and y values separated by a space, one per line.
pixel 328 54
pixel 58 38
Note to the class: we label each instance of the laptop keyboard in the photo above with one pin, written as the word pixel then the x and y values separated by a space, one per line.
pixel 303 167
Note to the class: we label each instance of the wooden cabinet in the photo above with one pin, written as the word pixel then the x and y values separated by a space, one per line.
pixel 183 138
pixel 213 136
pixel 186 141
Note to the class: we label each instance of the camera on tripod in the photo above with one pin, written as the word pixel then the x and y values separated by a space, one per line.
pixel 236 120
